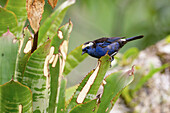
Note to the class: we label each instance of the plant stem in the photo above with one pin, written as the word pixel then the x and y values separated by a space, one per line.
pixel 34 47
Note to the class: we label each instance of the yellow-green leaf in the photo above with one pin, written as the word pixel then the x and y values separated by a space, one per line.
pixel 8 55
pixel 15 98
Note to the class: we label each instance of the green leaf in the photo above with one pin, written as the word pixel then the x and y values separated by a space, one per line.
pixel 8 20
pixel 22 58
pixel 73 101
pixel 47 11
pixel 3 2
pixel 52 23
pixel 35 79
pixel 61 101
pixel 88 88
pixel 114 84
pixel 104 66
pixel 8 54
pixel 13 16
pixel 55 71
pixel 126 94
pixel 69 92
pixel 14 95
pixel 73 59
pixel 19 8
pixel 88 107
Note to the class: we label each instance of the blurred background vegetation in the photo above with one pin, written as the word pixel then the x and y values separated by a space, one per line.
pixel 94 19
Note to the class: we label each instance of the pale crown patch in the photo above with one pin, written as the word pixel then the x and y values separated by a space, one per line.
pixel 87 45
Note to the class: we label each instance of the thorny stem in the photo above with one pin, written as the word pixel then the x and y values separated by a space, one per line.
pixel 34 47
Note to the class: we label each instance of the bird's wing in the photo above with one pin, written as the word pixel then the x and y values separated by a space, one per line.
pixel 100 40
pixel 108 40
pixel 113 39
pixel 103 42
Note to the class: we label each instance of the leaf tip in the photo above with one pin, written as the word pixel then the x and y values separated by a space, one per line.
pixel 8 33
pixel 53 3
pixel 131 72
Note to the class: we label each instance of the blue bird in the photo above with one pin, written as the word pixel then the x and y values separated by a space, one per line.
pixel 100 47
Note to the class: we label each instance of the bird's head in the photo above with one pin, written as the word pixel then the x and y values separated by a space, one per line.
pixel 86 46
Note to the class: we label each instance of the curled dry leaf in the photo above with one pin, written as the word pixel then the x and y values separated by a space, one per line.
pixel 53 3
pixel 35 9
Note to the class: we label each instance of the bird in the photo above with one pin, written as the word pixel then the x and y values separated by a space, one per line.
pixel 111 46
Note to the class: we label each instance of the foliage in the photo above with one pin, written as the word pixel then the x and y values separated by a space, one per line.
pixel 36 63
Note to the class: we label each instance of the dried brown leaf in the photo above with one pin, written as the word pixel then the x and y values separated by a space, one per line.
pixel 53 3
pixel 35 9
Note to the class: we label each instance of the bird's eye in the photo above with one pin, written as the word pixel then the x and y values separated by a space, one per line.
pixel 88 47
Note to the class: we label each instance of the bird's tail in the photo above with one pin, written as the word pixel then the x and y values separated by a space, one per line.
pixel 134 38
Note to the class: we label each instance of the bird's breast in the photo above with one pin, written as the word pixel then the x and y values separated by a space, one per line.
pixel 100 51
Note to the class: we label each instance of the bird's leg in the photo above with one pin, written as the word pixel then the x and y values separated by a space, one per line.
pixel 112 57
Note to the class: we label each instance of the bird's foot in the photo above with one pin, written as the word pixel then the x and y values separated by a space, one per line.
pixel 112 61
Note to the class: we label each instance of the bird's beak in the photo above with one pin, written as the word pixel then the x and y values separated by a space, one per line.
pixel 83 52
